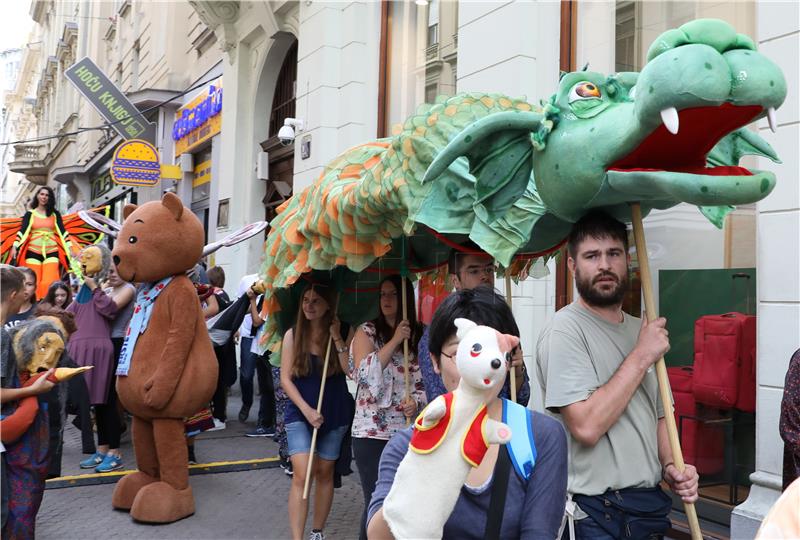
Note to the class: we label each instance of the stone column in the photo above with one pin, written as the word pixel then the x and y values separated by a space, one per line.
pixel 778 264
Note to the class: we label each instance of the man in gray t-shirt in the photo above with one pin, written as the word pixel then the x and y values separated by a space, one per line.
pixel 595 369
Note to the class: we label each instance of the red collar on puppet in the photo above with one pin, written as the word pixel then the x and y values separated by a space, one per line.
pixel 425 440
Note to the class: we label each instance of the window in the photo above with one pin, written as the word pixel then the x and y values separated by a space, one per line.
pixel 420 57
pixel 433 35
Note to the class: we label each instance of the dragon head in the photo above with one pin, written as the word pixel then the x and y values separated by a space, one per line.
pixel 672 133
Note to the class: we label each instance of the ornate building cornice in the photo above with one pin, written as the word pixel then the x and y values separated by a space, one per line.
pixel 220 17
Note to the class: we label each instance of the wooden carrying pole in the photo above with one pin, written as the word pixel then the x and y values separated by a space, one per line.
pixel 406 375
pixel 319 407
pixel 661 367
pixel 513 384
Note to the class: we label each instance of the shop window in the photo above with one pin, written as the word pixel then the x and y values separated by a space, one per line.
pixel 697 270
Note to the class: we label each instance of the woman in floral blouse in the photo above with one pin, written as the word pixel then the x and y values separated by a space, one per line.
pixel 376 365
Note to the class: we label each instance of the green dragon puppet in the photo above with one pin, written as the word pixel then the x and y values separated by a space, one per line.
pixel 513 177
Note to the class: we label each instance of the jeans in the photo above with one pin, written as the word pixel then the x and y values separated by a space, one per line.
pixel 252 364
pixel 328 445
pixel 587 529
pixel 368 456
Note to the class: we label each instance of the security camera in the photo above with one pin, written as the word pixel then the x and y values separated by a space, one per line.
pixel 287 132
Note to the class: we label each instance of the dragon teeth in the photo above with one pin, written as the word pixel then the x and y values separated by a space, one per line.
pixel 670 118
pixel 773 121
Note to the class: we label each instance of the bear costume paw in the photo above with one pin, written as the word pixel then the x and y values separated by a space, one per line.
pixel 128 487
pixel 161 503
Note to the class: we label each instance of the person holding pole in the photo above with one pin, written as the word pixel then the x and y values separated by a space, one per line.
pixel 595 369
pixel 470 267
pixel 314 359
pixel 377 366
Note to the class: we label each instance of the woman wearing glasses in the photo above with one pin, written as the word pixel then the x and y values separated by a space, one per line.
pixel 377 367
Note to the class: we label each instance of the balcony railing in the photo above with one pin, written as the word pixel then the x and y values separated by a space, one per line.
pixel 29 152
pixel 432 52
pixel 29 160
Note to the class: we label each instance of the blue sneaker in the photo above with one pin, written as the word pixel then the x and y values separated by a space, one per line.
pixel 94 461
pixel 110 463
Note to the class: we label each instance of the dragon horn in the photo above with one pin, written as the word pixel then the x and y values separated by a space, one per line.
pixel 476 132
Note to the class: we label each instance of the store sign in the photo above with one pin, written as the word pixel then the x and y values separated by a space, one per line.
pixel 109 101
pixel 198 120
pixel 136 163
pixel 101 185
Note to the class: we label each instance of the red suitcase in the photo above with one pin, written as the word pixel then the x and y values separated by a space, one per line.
pixel 702 444
pixel 725 361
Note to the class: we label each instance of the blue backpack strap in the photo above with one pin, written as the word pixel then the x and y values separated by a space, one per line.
pixel 521 448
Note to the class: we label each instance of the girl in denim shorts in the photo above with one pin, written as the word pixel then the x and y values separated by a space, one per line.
pixel 302 357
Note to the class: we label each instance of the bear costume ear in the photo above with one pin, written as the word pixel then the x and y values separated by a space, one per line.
pixel 173 204
pixel 128 210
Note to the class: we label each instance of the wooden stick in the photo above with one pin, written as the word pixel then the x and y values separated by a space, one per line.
pixel 513 384
pixel 319 408
pixel 661 367
pixel 406 375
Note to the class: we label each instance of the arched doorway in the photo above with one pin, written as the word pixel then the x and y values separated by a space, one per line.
pixel 281 158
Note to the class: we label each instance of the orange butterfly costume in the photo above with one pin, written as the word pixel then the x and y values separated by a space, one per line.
pixel 46 244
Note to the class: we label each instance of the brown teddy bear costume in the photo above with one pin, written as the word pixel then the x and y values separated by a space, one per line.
pixel 172 371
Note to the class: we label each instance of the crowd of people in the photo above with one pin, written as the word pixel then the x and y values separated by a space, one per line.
pixel 593 461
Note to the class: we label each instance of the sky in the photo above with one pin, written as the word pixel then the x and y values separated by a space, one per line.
pixel 15 24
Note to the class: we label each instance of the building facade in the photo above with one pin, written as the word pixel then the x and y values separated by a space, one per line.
pixel 363 66
pixel 157 53
pixel 346 72
pixel 16 122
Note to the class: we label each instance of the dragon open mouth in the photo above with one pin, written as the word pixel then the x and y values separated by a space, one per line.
pixel 701 128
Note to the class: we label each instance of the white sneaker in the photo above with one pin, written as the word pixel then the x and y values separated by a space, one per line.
pixel 316 535
pixel 218 425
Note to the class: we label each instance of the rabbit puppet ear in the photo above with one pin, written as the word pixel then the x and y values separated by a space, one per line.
pixel 464 326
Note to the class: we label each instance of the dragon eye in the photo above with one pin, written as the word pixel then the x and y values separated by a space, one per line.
pixel 584 90
pixel 476 350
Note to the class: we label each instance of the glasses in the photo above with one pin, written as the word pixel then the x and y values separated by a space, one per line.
pixel 450 356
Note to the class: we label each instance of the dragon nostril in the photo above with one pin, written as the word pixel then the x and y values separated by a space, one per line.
pixel 496 364
pixel 116 259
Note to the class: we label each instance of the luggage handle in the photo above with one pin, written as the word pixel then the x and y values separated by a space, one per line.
pixel 745 275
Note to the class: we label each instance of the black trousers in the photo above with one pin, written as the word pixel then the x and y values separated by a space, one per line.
pixel 78 404
pixel 109 424
pixel 367 453
pixel 219 403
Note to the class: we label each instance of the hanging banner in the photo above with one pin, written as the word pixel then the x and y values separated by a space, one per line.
pixel 109 101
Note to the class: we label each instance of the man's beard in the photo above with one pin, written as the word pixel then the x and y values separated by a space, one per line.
pixel 601 298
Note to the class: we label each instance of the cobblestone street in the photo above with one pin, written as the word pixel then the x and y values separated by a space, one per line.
pixel 250 504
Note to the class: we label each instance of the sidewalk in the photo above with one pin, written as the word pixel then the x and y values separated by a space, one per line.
pixel 231 505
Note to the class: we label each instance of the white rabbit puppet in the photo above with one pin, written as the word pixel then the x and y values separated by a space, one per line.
pixel 451 436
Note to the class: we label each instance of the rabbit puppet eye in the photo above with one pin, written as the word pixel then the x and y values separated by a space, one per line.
pixel 475 350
